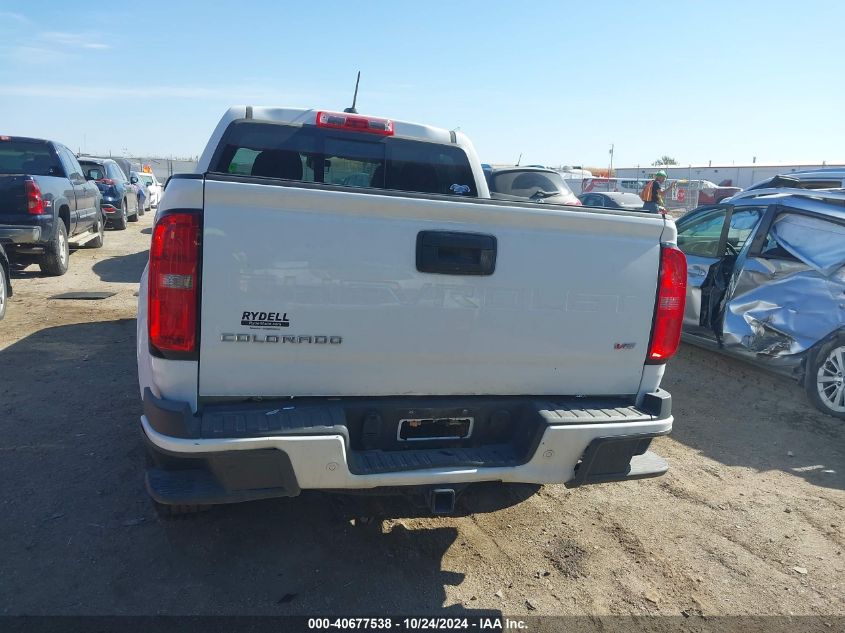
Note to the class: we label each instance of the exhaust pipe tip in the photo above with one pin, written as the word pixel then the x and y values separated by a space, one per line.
pixel 442 501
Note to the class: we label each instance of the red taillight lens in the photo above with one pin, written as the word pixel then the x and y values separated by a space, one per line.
pixel 34 201
pixel 173 279
pixel 669 311
pixel 355 123
pixel 105 181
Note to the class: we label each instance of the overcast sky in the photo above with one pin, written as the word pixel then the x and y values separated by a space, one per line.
pixel 556 81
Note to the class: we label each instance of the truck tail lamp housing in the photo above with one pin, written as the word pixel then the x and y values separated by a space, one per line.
pixel 34 201
pixel 355 123
pixel 173 280
pixel 669 308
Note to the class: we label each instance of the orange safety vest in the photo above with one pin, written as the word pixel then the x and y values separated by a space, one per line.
pixel 647 194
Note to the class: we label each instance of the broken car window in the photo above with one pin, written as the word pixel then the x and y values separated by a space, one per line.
pixel 817 242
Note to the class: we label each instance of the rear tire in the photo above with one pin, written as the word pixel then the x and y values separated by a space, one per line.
pixel 825 378
pixel 54 261
pixel 120 222
pixel 97 242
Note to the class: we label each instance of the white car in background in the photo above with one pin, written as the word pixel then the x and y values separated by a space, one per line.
pixel 154 187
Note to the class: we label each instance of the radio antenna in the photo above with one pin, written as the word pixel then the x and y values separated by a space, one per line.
pixel 352 110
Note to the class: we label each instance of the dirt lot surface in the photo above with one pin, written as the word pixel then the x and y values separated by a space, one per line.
pixel 749 519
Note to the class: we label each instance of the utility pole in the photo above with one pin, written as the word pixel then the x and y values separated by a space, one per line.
pixel 610 171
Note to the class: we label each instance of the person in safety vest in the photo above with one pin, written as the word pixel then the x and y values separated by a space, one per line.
pixel 652 194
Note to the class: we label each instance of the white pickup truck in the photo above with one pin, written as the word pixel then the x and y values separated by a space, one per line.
pixel 334 302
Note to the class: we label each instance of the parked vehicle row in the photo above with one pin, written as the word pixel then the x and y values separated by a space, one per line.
pixel 46 202
pixel 119 196
pixel 51 200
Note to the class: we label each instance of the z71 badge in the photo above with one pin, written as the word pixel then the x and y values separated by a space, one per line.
pixel 265 319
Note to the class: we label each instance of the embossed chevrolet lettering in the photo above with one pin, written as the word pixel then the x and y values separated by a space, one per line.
pixel 321 339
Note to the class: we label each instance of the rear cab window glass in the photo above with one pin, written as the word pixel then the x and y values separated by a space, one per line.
pixel 35 158
pixel 351 159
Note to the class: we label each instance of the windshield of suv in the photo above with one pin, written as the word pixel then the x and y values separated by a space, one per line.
pixel 351 159
pixel 147 180
pixel 28 157
pixel 527 183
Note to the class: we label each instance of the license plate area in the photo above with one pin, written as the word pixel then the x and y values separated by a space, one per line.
pixel 423 429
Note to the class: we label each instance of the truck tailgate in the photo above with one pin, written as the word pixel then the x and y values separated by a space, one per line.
pixel 310 292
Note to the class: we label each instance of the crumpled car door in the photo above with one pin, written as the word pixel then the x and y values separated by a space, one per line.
pixel 789 293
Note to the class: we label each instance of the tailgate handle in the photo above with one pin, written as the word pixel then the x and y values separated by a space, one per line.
pixel 456 253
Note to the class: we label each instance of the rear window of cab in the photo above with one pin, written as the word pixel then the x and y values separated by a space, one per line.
pixel 339 157
pixel 35 158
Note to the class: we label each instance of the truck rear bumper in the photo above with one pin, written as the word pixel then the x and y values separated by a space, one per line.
pixel 575 447
pixel 20 234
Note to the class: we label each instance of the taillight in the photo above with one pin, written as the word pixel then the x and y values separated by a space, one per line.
pixel 173 279
pixel 355 123
pixel 669 310
pixel 105 181
pixel 34 201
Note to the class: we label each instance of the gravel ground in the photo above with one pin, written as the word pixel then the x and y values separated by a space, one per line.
pixel 748 521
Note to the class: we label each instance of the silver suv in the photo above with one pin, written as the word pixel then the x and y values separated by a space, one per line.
pixel 766 282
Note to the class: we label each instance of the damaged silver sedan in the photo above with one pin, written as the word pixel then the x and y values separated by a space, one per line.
pixel 766 282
